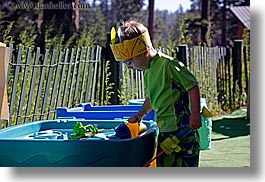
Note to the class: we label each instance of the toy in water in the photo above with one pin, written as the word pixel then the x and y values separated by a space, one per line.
pixel 130 130
pixel 80 131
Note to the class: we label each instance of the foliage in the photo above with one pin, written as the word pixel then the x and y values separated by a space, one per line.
pixel 125 10
pixel 126 88
pixel 208 35
pixel 160 32
pixel 85 39
pixel 108 85
pixel 28 37
pixel 7 38
pixel 185 36
pixel 54 38
pixel 95 25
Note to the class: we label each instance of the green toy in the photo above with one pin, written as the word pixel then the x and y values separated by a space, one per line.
pixel 80 131
pixel 170 145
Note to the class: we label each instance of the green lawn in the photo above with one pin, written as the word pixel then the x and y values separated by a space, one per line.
pixel 230 144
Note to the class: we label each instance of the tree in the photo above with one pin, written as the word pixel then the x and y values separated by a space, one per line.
pixel 59 21
pixel 126 10
pixel 223 24
pixel 20 15
pixel 151 6
pixel 205 18
pixel 93 21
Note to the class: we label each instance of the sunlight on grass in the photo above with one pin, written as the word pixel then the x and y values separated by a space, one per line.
pixel 230 142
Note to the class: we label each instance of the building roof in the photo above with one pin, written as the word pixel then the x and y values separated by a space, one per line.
pixel 242 13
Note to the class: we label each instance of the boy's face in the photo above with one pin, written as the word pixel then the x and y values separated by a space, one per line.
pixel 139 63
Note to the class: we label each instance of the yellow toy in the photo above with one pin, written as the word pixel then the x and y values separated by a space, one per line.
pixel 206 113
pixel 127 49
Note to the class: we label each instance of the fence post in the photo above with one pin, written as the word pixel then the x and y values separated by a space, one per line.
pixel 228 68
pixel 4 58
pixel 114 77
pixel 182 54
pixel 246 59
pixel 248 102
pixel 237 66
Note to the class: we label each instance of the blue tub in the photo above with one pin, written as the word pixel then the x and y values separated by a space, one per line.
pixel 136 101
pixel 47 143
pixel 107 112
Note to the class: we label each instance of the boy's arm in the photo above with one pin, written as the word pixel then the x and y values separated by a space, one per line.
pixel 146 108
pixel 142 112
pixel 195 117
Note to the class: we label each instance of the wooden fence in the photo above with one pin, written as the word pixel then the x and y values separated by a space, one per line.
pixel 204 63
pixel 223 73
pixel 39 83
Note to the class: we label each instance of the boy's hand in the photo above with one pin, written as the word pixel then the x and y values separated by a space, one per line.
pixel 135 118
pixel 195 121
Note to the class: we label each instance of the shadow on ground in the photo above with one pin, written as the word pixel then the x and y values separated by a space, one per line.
pixel 232 125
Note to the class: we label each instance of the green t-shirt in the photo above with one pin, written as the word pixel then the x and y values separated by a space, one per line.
pixel 162 73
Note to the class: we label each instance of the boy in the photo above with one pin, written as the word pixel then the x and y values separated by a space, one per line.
pixel 171 90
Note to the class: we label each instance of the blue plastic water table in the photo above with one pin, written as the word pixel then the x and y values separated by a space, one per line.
pixel 46 143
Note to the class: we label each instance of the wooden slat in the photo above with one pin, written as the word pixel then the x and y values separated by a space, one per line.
pixel 61 85
pixel 14 88
pixel 90 72
pixel 79 72
pixel 48 85
pixel 24 84
pixel 93 98
pixel 39 91
pixel 70 101
pixel 54 88
pixel 83 90
pixel 32 84
pixel 68 78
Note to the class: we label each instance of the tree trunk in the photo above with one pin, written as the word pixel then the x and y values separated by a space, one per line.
pixel 151 18
pixel 224 24
pixel 62 16
pixel 205 16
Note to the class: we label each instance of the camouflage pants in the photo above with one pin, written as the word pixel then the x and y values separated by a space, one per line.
pixel 187 157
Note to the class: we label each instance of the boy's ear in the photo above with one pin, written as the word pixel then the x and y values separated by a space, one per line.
pixel 146 53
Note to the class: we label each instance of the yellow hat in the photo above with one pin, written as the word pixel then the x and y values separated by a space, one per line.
pixel 128 49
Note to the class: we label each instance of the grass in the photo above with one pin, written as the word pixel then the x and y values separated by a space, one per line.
pixel 230 143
